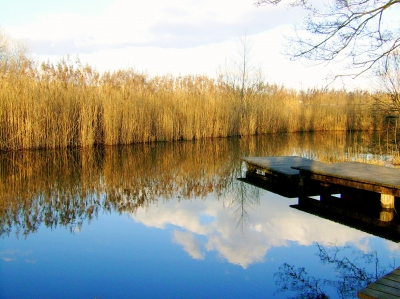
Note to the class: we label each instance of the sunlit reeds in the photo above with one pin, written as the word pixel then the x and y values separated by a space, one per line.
pixel 69 187
pixel 71 105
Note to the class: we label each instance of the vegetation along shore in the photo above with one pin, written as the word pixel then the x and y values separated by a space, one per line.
pixel 68 104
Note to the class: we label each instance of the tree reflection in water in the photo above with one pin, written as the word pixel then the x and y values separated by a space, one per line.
pixel 67 187
pixel 242 199
pixel 352 274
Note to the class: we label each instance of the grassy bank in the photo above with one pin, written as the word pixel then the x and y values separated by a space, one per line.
pixel 70 105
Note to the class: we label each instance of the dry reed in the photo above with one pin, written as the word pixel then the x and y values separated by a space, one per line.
pixel 71 105
pixel 69 187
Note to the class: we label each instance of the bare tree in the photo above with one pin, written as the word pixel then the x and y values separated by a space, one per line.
pixel 389 76
pixel 364 31
pixel 12 51
pixel 243 81
pixel 242 74
pixel 351 267
pixel 3 45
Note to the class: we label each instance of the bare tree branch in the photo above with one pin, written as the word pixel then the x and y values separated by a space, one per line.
pixel 361 31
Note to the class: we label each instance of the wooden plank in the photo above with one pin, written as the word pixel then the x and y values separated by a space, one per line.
pixel 393 276
pixel 363 176
pixel 384 289
pixel 368 293
pixel 352 183
pixel 281 165
pixel 268 171
pixel 388 287
pixel 390 283
pixel 396 272
pixel 359 172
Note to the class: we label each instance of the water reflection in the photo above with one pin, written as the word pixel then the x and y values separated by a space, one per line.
pixel 115 200
pixel 210 226
pixel 354 270
pixel 68 187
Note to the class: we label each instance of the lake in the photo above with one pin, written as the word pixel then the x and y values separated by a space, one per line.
pixel 172 220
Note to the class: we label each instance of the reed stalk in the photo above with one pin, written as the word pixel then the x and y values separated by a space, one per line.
pixel 70 105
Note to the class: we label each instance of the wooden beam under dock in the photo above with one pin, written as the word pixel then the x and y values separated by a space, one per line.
pixel 373 178
pixel 348 178
pixel 306 173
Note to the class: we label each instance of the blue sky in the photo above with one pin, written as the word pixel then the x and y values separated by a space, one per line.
pixel 160 37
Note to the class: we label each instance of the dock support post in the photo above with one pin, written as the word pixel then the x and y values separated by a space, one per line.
pixel 302 185
pixel 387 201
pixel 387 204
pixel 386 215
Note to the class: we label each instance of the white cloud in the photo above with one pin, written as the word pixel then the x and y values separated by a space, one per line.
pixel 266 230
pixel 154 22
pixel 176 37
pixel 189 243
pixel 133 23
pixel 13 255
pixel 393 247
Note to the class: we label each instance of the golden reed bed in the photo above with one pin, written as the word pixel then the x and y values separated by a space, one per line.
pixel 70 105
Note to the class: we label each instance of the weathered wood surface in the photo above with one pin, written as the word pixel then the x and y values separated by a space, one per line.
pixel 369 177
pixel 366 173
pixel 279 165
pixel 277 175
pixel 384 177
pixel 374 178
pixel 289 190
pixel 388 287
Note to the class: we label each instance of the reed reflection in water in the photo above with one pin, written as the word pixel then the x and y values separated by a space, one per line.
pixel 191 187
pixel 64 187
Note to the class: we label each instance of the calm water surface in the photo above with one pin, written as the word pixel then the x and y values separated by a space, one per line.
pixel 171 220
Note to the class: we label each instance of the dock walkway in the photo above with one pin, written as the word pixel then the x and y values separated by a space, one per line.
pixel 276 174
pixel 374 178
pixel 388 287
pixel 368 177
pixel 349 179
pixel 278 166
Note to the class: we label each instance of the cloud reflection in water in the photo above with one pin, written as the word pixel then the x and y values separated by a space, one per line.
pixel 271 224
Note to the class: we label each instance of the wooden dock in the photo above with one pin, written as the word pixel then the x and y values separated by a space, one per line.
pixel 280 167
pixel 361 186
pixel 371 224
pixel 329 178
pixel 276 174
pixel 373 178
pixel 388 287
pixel 357 208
